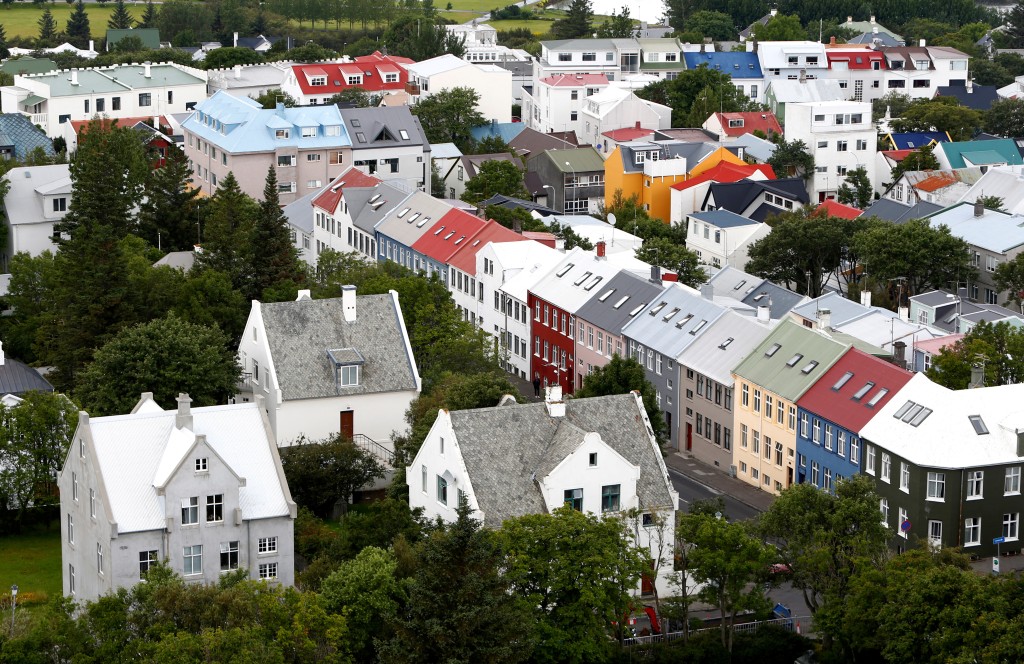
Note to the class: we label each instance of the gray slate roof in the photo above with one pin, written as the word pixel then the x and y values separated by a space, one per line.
pixel 17 378
pixel 503 447
pixel 300 333
pixel 300 212
pixel 890 210
pixel 382 127
pixel 605 315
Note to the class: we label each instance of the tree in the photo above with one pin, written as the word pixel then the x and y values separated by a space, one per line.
pixel 166 356
pixel 462 567
pixel 120 18
pixel 991 202
pixel 681 93
pixel 47 28
pixel 940 114
pixel 573 604
pixel 1009 276
pixel 617 26
pixel 996 347
pixel 675 258
pixel 577 22
pixel 448 115
pixel 77 29
pixel 780 28
pixel 856 190
pixel 273 258
pixel 622 375
pixel 792 159
pixel 986 72
pixel 227 232
pixel 1014 34
pixel 895 103
pixel 1006 118
pixel 356 97
pixel 496 176
pixel 4 51
pixel 271 98
pixel 149 16
pixel 921 159
pixel 227 56
pixel 323 472
pixel 128 44
pixel 422 38
pixel 714 25
pixel 308 52
pixel 168 216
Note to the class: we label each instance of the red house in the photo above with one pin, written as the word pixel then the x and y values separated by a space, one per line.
pixel 317 82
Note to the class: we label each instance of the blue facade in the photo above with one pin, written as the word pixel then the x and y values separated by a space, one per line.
pixel 826 452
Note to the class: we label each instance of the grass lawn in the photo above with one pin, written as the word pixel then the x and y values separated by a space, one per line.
pixel 22 20
pixel 473 5
pixel 32 561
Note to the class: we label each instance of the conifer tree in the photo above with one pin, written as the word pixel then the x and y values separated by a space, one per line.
pixel 273 256
pixel 149 16
pixel 226 232
pixel 168 215
pixel 47 27
pixel 577 22
pixel 4 52
pixel 120 18
pixel 77 29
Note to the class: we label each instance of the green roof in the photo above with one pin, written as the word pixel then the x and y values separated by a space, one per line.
pixel 28 65
pixel 580 160
pixel 780 370
pixel 150 36
pixel 118 78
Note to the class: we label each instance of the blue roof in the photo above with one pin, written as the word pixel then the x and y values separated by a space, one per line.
pixel 736 64
pixel 239 124
pixel 506 131
pixel 723 219
pixel 1005 148
pixel 18 131
pixel 915 139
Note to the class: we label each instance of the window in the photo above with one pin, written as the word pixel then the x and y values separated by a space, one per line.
pixel 936 485
pixel 146 560
pixel 828 437
pixel 74 486
pixel 71 529
pixel 266 545
pixel 886 467
pixel 972 531
pixel 285 160
pixel 883 507
pixel 827 484
pixel 60 205
pixel 92 503
pixel 268 570
pixel 869 459
pixel 442 490
pixel 791 418
pixel 215 508
pixel 745 396
pixel 854 449
pixel 842 146
pixel 901 521
pixel 228 556
pixel 190 511
pixel 975 483
pixel 99 558
pixel 145 99
pixel 202 465
pixel 756 442
pixel 840 442
pixel 904 477
pixel 757 401
pixel 862 144
pixel 935 532
pixel 574 95
pixel 193 556
pixel 573 498
pixel 610 498
pixel 803 424
pixel 814 473
pixel 115 103
pixel 743 435
pixel 1011 484
pixel 349 375
pixel 308 132
pixel 1010 524
pixel 817 432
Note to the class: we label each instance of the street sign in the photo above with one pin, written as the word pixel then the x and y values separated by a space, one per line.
pixel 905 526
pixel 998 540
pixel 995 566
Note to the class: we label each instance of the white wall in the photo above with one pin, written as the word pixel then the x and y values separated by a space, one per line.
pixel 494 88
pixel 377 416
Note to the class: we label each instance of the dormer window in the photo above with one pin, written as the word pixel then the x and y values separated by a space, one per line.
pixel 355 80
pixel 347 362
pixel 282 133
pixel 736 123
pixel 202 465
pixel 308 132
pixel 318 80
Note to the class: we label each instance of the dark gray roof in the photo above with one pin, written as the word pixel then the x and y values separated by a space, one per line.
pixel 604 315
pixel 980 97
pixel 881 38
pixel 669 149
pixel 513 203
pixel 890 210
pixel 17 378
pixel 779 300
pixel 532 142
pixel 382 127
pixel 366 216
pixel 300 333
pixel 505 447
pixel 738 196
pixel 18 131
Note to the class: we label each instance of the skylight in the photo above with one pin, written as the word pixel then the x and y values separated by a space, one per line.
pixel 921 417
pixel 842 381
pixel 375 198
pixel 637 310
pixel 658 307
pixel 810 367
pixel 879 395
pixel 439 231
pixel 449 236
pixel 413 217
pixel 606 295
pixel 740 285
pixel 774 349
pixel 461 238
pixel 586 275
pixel 593 283
pixel 793 360
pixel 911 413
pixel 699 327
pixel 760 296
pixel 561 273
pixel 903 410
pixel 621 302
pixel 859 394
pixel 685 320
pixel 725 344
pixel 422 222
pixel 669 315
pixel 978 424
pixel 403 212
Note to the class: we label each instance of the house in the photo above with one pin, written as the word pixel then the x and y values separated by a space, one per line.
pixel 337 365
pixel 720 237
pixel 610 57
pixel 248 80
pixel 941 187
pixel 403 224
pixel 481 47
pixel 317 82
pixel 389 143
pixel 155 133
pixel 729 126
pixel 753 296
pixel 925 351
pixel 790 60
pixel 333 210
pixel 38 198
pixel 595 455
pixel 442 240
pixel 978 97
pixel 872 33
pixel 914 140
pixel 308 146
pixel 840 136
pixel 832 208
pixel 26 64
pixel 947 466
pixel 555 102
pixel 859 69
pixel 466 167
pixel 466 273
pixel 259 43
pixel 956 313
pixel 615 108
pixel 118 91
pixel 576 179
pixel 743 67
pixel 150 37
pixel 757 199
pixel 687 196
pixel 755 150
pixel 780 93
pixel 19 138
pixel 530 142
pixel 663 57
pixel 1002 182
pixel 301 227
pixel 17 378
pixel 492 83
pixel 918 70
pixel 983 154
pixel 88 53
pixel 200 488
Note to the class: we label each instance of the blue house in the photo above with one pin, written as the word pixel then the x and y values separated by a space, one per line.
pixel 743 67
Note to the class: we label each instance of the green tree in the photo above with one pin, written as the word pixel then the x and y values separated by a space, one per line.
pixel 996 347
pixel 925 28
pixel 493 177
pixel 323 472
pixel 273 259
pixel 573 604
pixel 1006 118
pixel 4 51
pixel 149 16
pixel 675 258
pixel 1014 33
pixel 921 159
pixel 227 232
pixel 681 93
pixel 622 375
pixel 208 298
pixel 178 18
pixel 856 190
pixel 780 28
pixel 462 567
pixel 896 103
pixel 578 21
pixel 168 216
pixel 1009 276
pixel 120 18
pixel 422 38
pixel 991 202
pixel 792 159
pixel 803 250
pixel 27 296
pixel 617 26
pixel 128 44
pixel 271 98
pixel 47 29
pixel 448 115
pixel 77 29
pixel 715 25
pixel 630 215
pixel 357 97
pixel 166 356
pixel 491 145
pixel 228 56
pixel 985 72
pixel 940 114
pixel 309 52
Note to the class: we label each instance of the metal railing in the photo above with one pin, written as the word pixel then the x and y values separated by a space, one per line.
pixel 740 628
pixel 370 446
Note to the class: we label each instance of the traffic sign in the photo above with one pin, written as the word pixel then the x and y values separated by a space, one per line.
pixel 905 526
pixel 998 540
pixel 995 566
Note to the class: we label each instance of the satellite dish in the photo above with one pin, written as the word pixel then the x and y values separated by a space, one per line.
pixel 611 218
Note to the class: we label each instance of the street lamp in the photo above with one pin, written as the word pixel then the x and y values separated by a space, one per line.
pixel 574 184
pixel 14 602
pixel 550 202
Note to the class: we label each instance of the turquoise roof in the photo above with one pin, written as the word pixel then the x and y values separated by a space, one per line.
pixel 119 78
pixel 1004 149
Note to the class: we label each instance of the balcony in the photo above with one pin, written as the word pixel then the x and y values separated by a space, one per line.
pixel 412 89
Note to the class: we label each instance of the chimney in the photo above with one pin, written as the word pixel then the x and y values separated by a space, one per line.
pixel 600 248
pixel 517 225
pixel 763 314
pixel 303 295
pixel 147 70
pixel 156 122
pixel 74 77
pixel 970 86
pixel 774 11
pixel 849 19
pixel 824 319
pixel 238 71
pixel 656 274
pixel 979 208
pixel 553 400
pixel 707 291
pixel 183 420
pixel 872 20
pixel 235 42
pixel 348 303
pixel 832 40
pixel 803 75
pixel 899 352
pixel 922 43
pixel 903 313
pixel 92 45
pixel 977 376
pixel 279 108
pixel 2 358
pixel 865 298
pixel 874 29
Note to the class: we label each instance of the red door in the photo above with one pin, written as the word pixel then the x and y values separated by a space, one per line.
pixel 347 423
pixel 689 436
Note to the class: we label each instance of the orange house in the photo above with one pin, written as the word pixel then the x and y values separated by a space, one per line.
pixel 648 169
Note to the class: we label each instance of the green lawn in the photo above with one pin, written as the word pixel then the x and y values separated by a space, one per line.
pixel 32 561
pixel 22 20
pixel 473 5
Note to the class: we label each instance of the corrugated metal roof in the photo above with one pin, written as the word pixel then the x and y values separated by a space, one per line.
pixel 767 366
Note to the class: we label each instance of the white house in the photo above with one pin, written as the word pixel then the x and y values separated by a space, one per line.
pixel 556 101
pixel 338 365
pixel 492 83
pixel 248 80
pixel 789 60
pixel 38 198
pixel 118 91
pixel 722 238
pixel 840 136
pixel 615 108
pixel 202 489
pixel 596 455
pixel 389 142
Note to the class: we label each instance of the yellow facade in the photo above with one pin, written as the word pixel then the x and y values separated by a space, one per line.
pixel 764 451
pixel 616 178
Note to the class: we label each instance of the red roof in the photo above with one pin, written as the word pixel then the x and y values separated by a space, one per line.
pixel 465 257
pixel 856 58
pixel 896 155
pixel 938 181
pixel 575 80
pixel 726 172
pixel 840 405
pixel 332 194
pixel 628 134
pixel 750 122
pixel 119 122
pixel 836 209
pixel 370 69
pixel 448 234
pixel 548 239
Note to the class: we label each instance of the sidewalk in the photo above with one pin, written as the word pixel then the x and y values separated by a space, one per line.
pixel 712 477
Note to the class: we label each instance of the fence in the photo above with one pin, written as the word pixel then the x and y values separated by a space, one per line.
pixel 789 624
pixel 370 446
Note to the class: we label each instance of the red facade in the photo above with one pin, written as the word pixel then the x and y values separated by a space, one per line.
pixel 553 358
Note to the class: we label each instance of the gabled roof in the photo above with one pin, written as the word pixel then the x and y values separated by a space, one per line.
pixel 301 332
pixel 978 97
pixel 754 291
pixel 995 231
pixel 737 64
pixel 413 218
pixel 817 89
pixel 438 65
pixel 911 140
pixel 896 212
pixel 28 184
pixel 836 209
pixel 723 219
pixel 465 257
pixel 855 58
pixel 934 346
pixel 448 235
pixel 530 142
pixel 579 160
pixel 507 448
pixel 773 368
pixel 17 378
pixel 754 147
pixel 749 122
pixel 472 162
pixel 330 196
pixel 574 80
pixel 384 127
pixel 727 341
pixel 628 133
pixel 738 196
pixel 727 172
pixel 369 206
pixel 150 37
pixel 371 69
pixel 506 131
pixel 625 290
pixel 18 131
pixel 1002 150
pixel 673 320
pixel 575 279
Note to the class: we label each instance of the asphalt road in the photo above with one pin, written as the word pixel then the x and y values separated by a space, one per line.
pixel 690 490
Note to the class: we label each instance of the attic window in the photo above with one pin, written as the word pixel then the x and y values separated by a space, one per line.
pixel 920 417
pixel 842 381
pixel 461 238
pixel 375 198
pixel 810 367
pixel 593 283
pixel 347 362
pixel 637 310
pixel 586 275
pixel 978 424
pixel 774 349
pixel 908 411
pixel 658 307
pixel 699 327
pixel 202 464
pixel 621 302
pixel 669 315
pixel 560 273
pixel 449 236
pixel 903 410
pixel 725 344
pixel 404 134
pixel 606 295
pixel 951 317
pixel 686 319
pixel 422 222
pixel 356 123
pixel 736 123
pixel 793 360
pixel 879 395
pixel 403 212
pixel 439 231
pixel 361 137
pixel 377 205
pixel 760 296
pixel 859 394
pixel 739 285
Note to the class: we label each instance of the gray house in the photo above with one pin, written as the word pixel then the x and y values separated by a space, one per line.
pixel 574 178
pixel 389 142
pixel 202 489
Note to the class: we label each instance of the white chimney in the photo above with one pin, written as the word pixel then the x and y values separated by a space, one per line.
pixel 146 68
pixel 553 401
pixel 970 86
pixel 92 45
pixel 183 420
pixel 235 42
pixel 763 314
pixel 824 319
pixel 238 71
pixel 865 298
pixel 2 358
pixel 303 295
pixel 348 303
pixel 923 43
pixel 904 313
pixel 156 122
pixel 74 77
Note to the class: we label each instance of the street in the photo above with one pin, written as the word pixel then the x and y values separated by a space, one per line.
pixel 690 490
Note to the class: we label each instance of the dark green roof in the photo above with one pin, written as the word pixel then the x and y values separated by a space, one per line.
pixel 28 65
pixel 150 36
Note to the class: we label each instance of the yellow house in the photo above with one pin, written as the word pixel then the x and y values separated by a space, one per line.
pixel 648 170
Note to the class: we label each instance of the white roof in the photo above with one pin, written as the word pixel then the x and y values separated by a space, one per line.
pixel 947 438
pixel 817 89
pixel 514 256
pixel 714 355
pixel 1005 182
pixel 543 262
pixel 575 279
pixel 23 202
pixel 138 452
pixel 438 65
pixel 995 231
pixel 775 54
pixel 883 329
